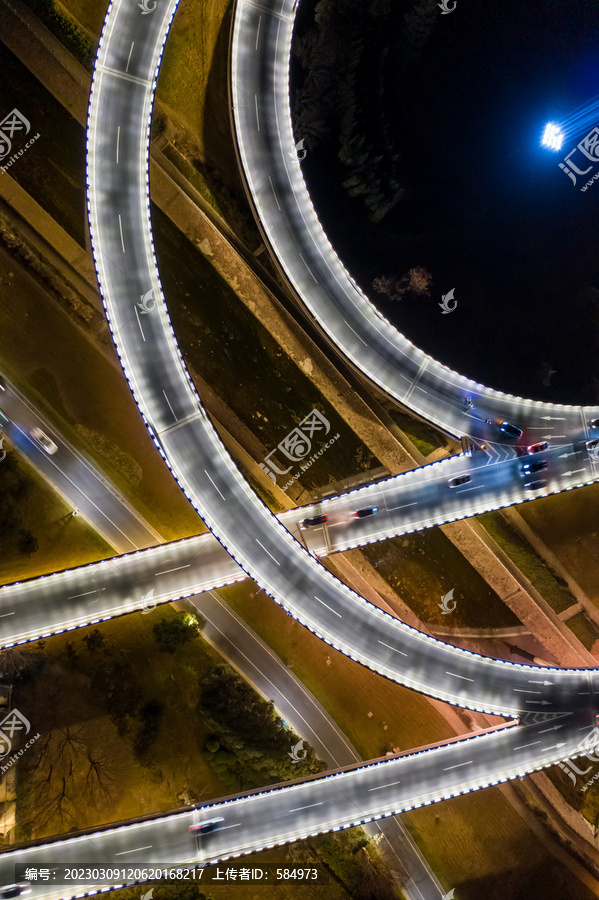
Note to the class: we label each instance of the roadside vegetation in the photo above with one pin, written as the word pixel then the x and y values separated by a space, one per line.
pixel 519 551
pixel 124 738
pixel 120 738
pixel 66 29
pixel 350 59
pixel 87 399
pixel 479 845
pixel 376 714
pixel 568 525
pixel 423 567
pixel 423 436
pixel 249 744
pixel 37 531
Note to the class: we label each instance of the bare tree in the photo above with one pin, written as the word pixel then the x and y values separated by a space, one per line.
pixel 69 777
pixel 13 664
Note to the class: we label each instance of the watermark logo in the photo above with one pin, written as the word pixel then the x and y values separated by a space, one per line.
pixel 148 604
pixel 299 152
pixel 445 9
pixel 450 895
pixel 11 724
pixel 444 605
pixel 297 445
pixel 2 450
pixel 589 150
pixel 445 301
pixel 147 302
pixel 11 124
pixel 148 896
pixel 295 752
pixel 146 9
pixel 589 746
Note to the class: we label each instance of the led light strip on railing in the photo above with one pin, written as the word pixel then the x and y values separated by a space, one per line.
pixel 169 342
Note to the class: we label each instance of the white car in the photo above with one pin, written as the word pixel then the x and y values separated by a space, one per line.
pixel 43 440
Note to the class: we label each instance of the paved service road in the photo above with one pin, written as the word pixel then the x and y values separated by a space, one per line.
pixel 74 477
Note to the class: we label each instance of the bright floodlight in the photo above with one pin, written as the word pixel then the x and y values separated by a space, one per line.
pixel 553 136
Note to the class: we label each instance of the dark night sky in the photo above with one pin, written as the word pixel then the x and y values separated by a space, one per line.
pixel 488 211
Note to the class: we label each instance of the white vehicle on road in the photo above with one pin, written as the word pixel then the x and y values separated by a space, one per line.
pixel 43 440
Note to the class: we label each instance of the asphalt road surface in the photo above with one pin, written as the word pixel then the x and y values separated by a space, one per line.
pixel 119 124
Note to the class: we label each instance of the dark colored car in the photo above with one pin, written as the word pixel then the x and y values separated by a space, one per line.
pixel 15 890
pixel 368 511
pixel 314 520
pixel 531 467
pixel 511 430
pixel 535 485
pixel 459 480
pixel 594 423
pixel 206 827
pixel 591 445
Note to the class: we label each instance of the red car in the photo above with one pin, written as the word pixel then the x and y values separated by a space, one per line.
pixel 538 448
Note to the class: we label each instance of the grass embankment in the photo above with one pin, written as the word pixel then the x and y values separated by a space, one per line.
pixel 75 38
pixel 568 525
pixel 374 713
pixel 63 541
pixel 584 629
pixel 192 175
pixel 193 90
pixel 423 567
pixel 88 400
pixel 551 587
pixel 424 438
pixel 88 13
pixel 192 50
pixel 229 348
pixel 532 566
pixel 480 846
